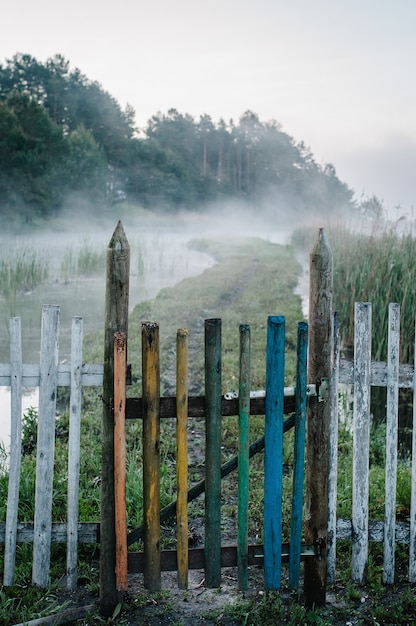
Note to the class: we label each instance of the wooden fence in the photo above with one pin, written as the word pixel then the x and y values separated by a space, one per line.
pixel 48 375
pixel 326 370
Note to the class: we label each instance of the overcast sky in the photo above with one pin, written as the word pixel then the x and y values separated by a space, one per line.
pixel 337 74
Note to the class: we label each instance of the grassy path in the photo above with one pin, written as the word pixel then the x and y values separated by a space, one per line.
pixel 251 280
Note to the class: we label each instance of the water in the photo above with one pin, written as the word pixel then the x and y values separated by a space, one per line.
pixel 30 398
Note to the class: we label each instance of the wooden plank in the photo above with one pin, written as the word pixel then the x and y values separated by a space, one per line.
pixel 243 456
pixel 15 450
pixel 88 532
pixel 412 547
pixel 116 320
pixel 375 531
pixel 45 445
pixel 392 426
pixel 68 616
pixel 74 444
pixel 273 451
pixel 317 454
pixel 228 557
pixel 333 458
pixel 213 452
pixel 361 439
pixel 378 374
pixel 196 406
pixel 91 375
pixel 299 457
pixel 182 455
pixel 120 360
pixel 151 454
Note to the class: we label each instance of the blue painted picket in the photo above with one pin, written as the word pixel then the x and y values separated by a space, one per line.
pixel 273 451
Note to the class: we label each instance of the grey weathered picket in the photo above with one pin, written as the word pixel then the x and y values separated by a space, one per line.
pixel 15 446
pixel 74 451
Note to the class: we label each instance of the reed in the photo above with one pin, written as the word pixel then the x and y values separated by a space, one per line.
pixel 22 270
pixel 89 260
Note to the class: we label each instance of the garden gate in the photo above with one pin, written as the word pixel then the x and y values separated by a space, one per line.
pixel 273 404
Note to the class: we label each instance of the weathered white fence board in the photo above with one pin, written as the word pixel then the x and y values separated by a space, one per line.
pixel 74 445
pixel 91 375
pixel 361 442
pixel 375 531
pixel 378 374
pixel 392 423
pixel 45 446
pixel 16 447
pixel 88 532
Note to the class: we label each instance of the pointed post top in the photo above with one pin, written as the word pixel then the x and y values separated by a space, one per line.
pixel 119 240
pixel 322 246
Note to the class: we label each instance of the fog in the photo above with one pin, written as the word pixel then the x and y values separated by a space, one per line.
pixel 160 257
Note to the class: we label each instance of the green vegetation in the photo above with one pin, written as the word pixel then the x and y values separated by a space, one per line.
pixel 64 142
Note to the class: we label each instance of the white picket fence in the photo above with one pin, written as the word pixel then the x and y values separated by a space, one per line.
pixel 48 375
pixel 362 373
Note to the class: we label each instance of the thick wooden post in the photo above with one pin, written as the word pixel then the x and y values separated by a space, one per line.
pixel 116 320
pixel 333 459
pixel 319 373
pixel 182 454
pixel 213 452
pixel 151 455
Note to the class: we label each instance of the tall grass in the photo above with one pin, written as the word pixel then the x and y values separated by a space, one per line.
pixel 378 267
pixel 88 260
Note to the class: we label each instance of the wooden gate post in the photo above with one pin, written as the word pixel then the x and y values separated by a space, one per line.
pixel 319 373
pixel 213 453
pixel 116 319
pixel 151 455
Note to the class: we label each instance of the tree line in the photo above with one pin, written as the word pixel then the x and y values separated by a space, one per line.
pixel 62 136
